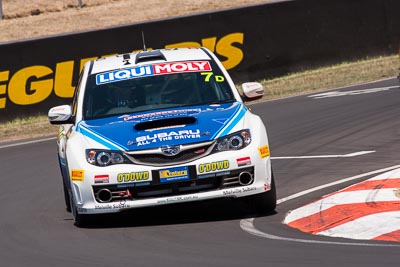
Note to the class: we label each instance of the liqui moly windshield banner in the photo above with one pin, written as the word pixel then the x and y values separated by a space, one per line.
pixel 151 70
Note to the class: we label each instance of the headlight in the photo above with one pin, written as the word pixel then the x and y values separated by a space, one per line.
pixel 105 157
pixel 233 141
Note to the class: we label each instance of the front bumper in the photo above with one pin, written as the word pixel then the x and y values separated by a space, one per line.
pixel 211 177
pixel 113 207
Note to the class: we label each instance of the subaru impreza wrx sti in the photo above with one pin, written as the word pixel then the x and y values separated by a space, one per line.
pixel 161 127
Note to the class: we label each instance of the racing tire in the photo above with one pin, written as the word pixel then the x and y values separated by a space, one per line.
pixel 66 198
pixel 66 194
pixel 263 202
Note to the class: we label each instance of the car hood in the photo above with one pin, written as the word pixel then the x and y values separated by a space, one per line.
pixel 177 126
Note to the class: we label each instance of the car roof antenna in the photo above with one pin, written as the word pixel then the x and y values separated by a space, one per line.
pixel 144 43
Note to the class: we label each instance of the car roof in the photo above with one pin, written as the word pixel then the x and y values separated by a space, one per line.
pixel 148 57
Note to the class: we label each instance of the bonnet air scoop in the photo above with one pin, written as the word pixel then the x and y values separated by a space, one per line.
pixel 148 125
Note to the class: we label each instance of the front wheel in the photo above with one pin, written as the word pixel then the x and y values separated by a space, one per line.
pixel 66 198
pixel 80 220
pixel 263 202
pixel 65 188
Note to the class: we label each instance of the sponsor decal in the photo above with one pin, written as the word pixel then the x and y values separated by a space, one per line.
pixel 208 175
pixel 167 136
pixel 264 151
pixel 177 199
pixel 129 185
pixel 155 69
pixel 133 177
pixel 162 114
pixel 103 207
pixel 142 184
pixel 177 67
pixel 238 190
pixel 243 161
pixel 77 175
pixel 232 191
pixel 174 174
pixel 101 179
pixel 222 173
pixel 213 166
pixel 213 174
pixel 125 74
pixel 121 205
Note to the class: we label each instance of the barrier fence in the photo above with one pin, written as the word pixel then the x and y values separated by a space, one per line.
pixel 253 42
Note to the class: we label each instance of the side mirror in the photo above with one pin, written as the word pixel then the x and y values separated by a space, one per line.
pixel 252 90
pixel 60 115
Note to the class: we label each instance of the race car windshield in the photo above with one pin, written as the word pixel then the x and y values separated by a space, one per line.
pixel 106 97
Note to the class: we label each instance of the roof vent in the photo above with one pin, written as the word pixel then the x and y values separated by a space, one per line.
pixel 146 56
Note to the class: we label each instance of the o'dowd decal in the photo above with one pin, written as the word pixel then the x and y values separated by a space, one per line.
pixel 213 166
pixel 133 177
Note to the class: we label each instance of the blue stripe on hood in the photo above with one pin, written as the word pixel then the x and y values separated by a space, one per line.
pixel 242 111
pixel 98 138
pixel 119 133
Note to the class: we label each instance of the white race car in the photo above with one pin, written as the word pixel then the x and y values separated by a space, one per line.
pixel 160 127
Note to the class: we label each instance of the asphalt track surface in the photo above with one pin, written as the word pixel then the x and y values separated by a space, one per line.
pixel 36 230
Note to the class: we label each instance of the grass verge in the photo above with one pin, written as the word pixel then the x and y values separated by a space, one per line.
pixel 25 128
pixel 344 74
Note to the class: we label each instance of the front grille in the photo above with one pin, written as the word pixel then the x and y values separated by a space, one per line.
pixel 196 184
pixel 155 157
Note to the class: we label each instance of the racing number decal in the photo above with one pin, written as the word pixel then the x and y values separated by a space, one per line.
pixel 218 78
